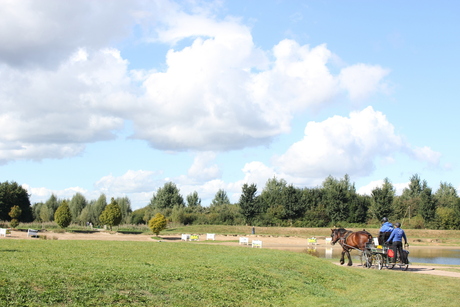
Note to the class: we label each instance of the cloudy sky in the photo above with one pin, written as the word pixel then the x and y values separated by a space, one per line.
pixel 119 97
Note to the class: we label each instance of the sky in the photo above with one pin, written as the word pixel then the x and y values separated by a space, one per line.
pixel 120 97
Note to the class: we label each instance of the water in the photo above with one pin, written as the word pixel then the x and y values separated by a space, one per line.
pixel 421 255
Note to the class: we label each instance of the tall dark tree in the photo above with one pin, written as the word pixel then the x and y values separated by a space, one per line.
pixel 12 194
pixel 446 195
pixel 96 208
pixel 76 205
pixel 249 203
pixel 427 207
pixel 382 200
pixel 358 207
pixel 53 203
pixel 125 206
pixel 272 194
pixel 337 196
pixel 220 199
pixel 167 197
pixel 292 206
pixel 415 200
pixel 193 201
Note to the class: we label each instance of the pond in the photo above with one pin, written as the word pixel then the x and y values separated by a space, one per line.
pixel 437 255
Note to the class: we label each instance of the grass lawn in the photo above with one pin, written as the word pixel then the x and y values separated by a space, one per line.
pixel 123 273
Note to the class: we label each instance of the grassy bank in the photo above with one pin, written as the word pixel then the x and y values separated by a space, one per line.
pixel 112 273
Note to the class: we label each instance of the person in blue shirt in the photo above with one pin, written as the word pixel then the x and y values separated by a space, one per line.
pixel 396 236
pixel 385 231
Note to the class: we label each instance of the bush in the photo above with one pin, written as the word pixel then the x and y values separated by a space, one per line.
pixel 111 216
pixel 157 223
pixel 62 216
pixel 14 223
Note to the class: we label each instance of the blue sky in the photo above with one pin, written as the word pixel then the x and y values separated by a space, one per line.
pixel 120 98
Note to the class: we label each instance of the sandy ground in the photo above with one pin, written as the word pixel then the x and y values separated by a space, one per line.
pixel 273 242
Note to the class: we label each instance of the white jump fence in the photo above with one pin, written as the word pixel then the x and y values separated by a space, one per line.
pixel 32 233
pixel 4 232
pixel 244 241
pixel 257 243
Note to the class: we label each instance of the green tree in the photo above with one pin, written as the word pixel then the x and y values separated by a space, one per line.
pixel 220 199
pixel 416 200
pixel 125 207
pixel 337 195
pixel 111 216
pixel 63 216
pixel 446 195
pixel 249 203
pixel 137 217
pixel 15 213
pixel 427 207
pixel 36 211
pixel 96 209
pixel 76 205
pixel 45 213
pixel 52 203
pixel 157 223
pixel 167 197
pixel 382 200
pixel 12 194
pixel 272 194
pixel 292 206
pixel 193 201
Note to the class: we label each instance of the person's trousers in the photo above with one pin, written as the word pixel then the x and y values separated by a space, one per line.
pixel 383 237
pixel 397 248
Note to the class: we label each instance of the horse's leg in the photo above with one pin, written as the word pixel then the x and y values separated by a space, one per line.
pixel 350 263
pixel 342 260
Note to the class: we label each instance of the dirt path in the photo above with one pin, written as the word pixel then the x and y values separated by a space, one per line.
pixel 273 242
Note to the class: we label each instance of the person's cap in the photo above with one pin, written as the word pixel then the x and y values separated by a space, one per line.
pixel 384 220
pixel 397 225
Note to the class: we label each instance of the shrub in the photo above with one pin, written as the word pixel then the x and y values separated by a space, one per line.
pixel 62 216
pixel 157 223
pixel 111 216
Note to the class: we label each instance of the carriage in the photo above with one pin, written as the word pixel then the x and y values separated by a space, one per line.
pixel 371 255
pixel 380 256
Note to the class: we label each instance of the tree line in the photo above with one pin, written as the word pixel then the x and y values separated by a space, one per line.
pixel 334 203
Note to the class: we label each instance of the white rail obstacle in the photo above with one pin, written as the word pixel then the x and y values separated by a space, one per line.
pixel 210 236
pixel 185 237
pixel 312 241
pixel 4 232
pixel 328 240
pixel 32 233
pixel 244 241
pixel 257 243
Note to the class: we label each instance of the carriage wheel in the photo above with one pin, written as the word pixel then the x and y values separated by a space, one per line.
pixel 366 260
pixel 404 266
pixel 379 261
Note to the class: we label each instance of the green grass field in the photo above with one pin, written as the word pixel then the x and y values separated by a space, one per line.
pixel 116 273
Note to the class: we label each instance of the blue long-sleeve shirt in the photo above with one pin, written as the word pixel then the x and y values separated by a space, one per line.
pixel 386 227
pixel 397 234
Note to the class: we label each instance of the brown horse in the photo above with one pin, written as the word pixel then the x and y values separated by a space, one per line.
pixel 350 240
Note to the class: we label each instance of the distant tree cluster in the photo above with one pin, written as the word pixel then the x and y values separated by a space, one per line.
pixel 334 203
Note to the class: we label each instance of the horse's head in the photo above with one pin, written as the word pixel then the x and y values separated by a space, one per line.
pixel 336 234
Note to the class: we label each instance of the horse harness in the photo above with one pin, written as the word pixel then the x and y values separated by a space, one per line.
pixel 343 240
